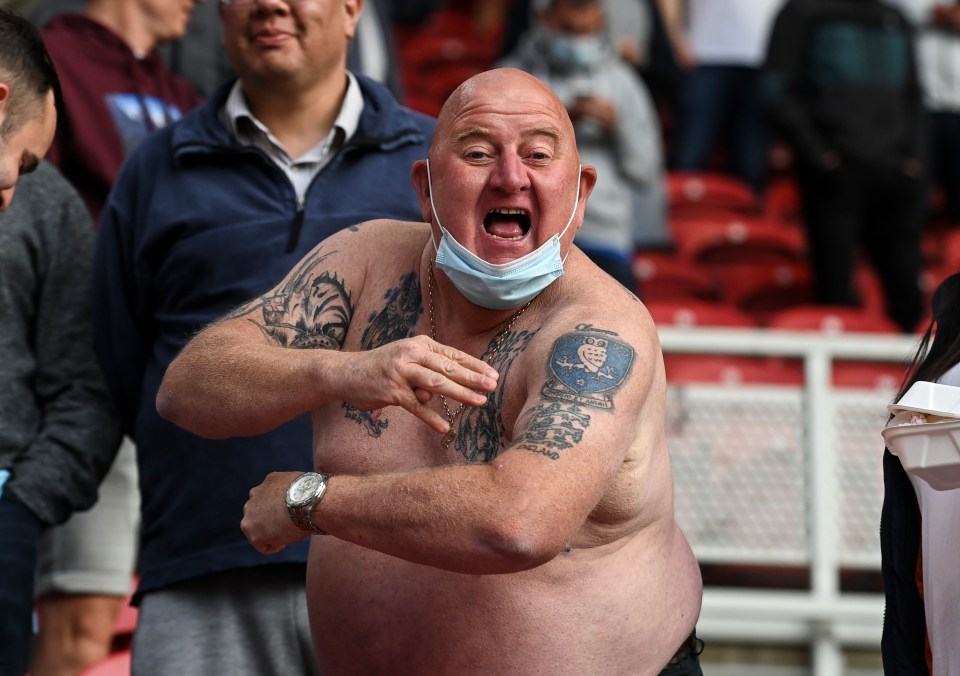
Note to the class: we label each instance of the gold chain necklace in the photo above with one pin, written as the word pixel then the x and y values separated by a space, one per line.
pixel 502 336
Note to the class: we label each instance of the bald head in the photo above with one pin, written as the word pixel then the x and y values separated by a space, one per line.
pixel 507 91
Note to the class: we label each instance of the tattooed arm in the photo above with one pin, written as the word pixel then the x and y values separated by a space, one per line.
pixel 280 355
pixel 525 504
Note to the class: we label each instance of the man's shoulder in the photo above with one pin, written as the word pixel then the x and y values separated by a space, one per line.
pixel 384 116
pixel 390 235
pixel 592 301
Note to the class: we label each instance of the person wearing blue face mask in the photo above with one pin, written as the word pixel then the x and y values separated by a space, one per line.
pixel 491 468
pixel 617 129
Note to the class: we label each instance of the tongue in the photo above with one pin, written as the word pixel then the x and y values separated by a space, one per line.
pixel 500 227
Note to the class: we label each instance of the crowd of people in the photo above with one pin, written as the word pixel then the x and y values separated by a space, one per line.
pixel 482 415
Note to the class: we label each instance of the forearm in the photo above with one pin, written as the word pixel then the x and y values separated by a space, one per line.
pixel 224 384
pixel 672 14
pixel 468 519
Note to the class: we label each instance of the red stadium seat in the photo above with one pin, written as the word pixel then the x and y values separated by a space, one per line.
pixel 687 369
pixel 704 192
pixel 831 319
pixel 662 276
pixel 762 289
pixel 868 375
pixel 720 241
pixel 781 202
pixel 682 313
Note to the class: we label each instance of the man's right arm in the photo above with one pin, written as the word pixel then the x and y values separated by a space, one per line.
pixel 673 16
pixel 259 366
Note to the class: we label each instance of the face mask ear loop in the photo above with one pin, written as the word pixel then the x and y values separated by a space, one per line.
pixel 576 203
pixel 433 208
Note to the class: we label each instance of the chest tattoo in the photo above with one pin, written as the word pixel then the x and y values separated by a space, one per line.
pixel 402 307
pixel 482 430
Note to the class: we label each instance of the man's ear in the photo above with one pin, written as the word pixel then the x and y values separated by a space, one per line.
pixel 421 183
pixel 4 97
pixel 352 10
pixel 588 179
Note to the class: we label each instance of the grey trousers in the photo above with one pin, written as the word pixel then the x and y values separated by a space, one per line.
pixel 248 622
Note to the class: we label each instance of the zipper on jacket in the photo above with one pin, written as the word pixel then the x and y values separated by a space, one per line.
pixel 295 228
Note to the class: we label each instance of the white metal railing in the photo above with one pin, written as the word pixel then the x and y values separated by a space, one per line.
pixel 822 616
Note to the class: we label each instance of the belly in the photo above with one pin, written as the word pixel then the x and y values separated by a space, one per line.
pixel 618 609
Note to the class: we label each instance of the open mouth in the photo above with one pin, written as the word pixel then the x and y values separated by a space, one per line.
pixel 507 223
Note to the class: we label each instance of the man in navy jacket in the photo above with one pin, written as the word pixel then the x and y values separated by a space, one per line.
pixel 207 213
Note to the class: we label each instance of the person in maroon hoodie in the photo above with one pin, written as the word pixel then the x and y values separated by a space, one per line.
pixel 116 90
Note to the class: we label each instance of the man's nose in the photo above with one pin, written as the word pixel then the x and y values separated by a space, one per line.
pixel 6 196
pixel 510 174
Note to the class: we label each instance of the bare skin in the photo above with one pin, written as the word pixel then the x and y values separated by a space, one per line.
pixel 542 540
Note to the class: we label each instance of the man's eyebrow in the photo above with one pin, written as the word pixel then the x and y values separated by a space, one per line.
pixel 552 132
pixel 473 131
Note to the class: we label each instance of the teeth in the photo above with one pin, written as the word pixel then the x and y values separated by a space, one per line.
pixel 509 212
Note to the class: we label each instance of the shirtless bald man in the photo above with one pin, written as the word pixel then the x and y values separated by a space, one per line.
pixel 504 513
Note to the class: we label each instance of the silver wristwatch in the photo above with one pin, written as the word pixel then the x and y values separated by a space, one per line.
pixel 303 495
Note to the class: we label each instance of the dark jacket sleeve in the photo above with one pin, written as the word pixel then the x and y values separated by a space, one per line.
pixel 781 85
pixel 120 338
pixel 60 469
pixel 903 643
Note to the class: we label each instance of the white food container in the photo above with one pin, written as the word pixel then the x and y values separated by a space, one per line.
pixel 930 450
pixel 930 398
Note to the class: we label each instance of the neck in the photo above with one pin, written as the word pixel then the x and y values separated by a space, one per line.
pixel 126 21
pixel 455 317
pixel 298 118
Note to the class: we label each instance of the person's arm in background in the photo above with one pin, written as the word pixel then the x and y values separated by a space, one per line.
pixel 637 138
pixel 60 468
pixel 917 149
pixel 673 14
pixel 780 83
pixel 628 22
pixel 121 313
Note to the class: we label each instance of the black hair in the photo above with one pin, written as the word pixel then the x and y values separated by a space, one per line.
pixel 939 348
pixel 26 68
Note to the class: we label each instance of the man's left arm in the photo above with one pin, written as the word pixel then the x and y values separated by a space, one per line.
pixel 516 512
pixel 61 468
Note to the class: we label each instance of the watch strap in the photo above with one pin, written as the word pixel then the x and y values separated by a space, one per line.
pixel 301 518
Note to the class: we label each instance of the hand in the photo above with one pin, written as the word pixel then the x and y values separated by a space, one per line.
pixel 409 372
pixel 597 107
pixel 631 51
pixel 266 522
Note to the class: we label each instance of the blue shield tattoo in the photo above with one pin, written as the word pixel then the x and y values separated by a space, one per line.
pixel 587 367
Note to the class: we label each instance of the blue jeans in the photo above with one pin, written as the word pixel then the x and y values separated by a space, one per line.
pixel 19 537
pixel 722 103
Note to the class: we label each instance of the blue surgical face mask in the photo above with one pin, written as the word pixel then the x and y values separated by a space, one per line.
pixel 498 286
pixel 572 51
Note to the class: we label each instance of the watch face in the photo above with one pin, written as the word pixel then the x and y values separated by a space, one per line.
pixel 303 490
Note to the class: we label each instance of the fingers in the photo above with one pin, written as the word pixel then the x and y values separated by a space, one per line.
pixel 461 368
